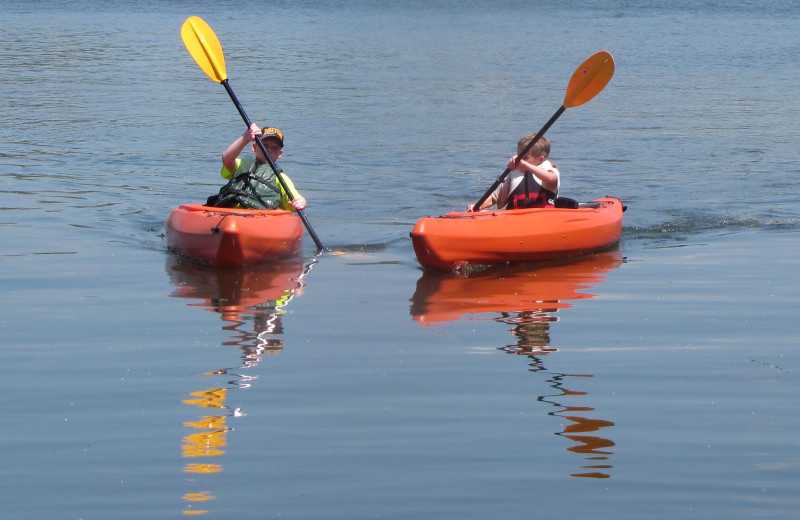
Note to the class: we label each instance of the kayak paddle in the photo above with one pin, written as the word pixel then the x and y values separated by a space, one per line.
pixel 587 81
pixel 203 45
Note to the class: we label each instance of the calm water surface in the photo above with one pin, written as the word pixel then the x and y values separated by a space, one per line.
pixel 655 380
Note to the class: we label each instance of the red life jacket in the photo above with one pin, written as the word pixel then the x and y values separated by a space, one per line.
pixel 529 194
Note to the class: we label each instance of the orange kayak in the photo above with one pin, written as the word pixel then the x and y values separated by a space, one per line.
pixel 461 239
pixel 232 237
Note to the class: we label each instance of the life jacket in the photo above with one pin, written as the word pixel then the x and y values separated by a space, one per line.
pixel 529 194
pixel 254 189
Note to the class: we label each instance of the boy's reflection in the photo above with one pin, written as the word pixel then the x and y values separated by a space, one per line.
pixel 528 300
pixel 250 302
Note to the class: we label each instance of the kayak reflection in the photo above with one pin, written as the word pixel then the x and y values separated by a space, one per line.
pixel 532 291
pixel 527 298
pixel 253 296
pixel 250 302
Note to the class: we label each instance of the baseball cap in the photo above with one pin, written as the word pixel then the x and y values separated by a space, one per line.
pixel 272 132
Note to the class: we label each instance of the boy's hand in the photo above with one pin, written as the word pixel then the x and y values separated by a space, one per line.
pixel 298 203
pixel 252 133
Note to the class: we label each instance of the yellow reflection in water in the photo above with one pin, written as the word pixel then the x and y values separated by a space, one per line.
pixel 202 468
pixel 210 441
pixel 250 302
pixel 197 497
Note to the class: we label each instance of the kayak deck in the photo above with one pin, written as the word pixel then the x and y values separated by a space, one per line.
pixel 232 237
pixel 460 239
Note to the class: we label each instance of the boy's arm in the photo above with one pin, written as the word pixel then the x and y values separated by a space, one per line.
pixel 292 199
pixel 548 177
pixel 490 201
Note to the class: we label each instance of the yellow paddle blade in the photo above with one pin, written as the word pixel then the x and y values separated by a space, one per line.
pixel 589 79
pixel 203 45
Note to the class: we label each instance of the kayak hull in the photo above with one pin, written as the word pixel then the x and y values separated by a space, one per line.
pixel 461 239
pixel 232 237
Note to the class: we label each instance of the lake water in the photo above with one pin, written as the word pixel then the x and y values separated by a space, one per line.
pixel 659 379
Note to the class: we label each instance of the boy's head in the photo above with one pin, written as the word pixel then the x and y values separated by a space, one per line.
pixel 272 139
pixel 538 152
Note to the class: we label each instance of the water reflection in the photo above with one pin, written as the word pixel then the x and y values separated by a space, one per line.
pixel 592 447
pixel 250 302
pixel 527 298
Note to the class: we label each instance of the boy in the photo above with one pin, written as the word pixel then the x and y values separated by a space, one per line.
pixel 533 182
pixel 252 182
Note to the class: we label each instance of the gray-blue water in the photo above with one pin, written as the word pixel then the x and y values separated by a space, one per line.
pixel 657 380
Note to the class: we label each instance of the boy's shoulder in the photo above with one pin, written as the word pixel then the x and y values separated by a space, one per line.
pixel 238 164
pixel 244 163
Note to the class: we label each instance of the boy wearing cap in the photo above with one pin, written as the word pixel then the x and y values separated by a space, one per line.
pixel 252 182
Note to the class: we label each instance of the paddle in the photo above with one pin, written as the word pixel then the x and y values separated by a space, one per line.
pixel 587 81
pixel 203 45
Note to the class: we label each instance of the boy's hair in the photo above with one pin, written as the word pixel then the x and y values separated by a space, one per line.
pixel 540 147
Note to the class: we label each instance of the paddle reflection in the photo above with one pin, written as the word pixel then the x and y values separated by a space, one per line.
pixel 250 301
pixel 527 298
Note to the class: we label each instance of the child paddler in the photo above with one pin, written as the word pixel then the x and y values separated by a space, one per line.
pixel 252 181
pixel 534 180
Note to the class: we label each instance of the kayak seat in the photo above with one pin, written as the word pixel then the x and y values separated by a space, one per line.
pixel 564 202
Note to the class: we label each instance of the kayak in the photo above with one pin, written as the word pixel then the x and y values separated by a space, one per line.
pixel 232 237
pixel 462 239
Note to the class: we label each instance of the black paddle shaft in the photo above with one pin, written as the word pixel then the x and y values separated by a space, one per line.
pixel 272 164
pixel 520 155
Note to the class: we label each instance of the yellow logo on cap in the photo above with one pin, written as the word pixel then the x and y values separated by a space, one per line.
pixel 268 132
